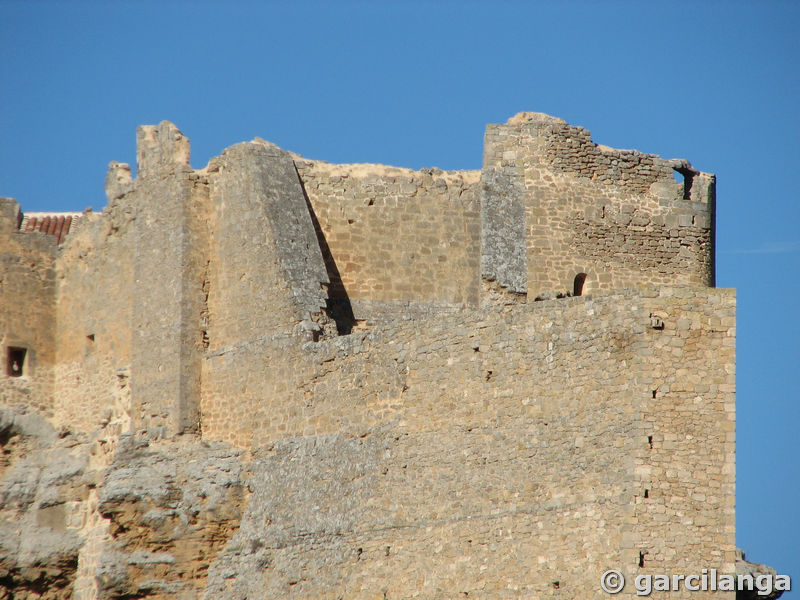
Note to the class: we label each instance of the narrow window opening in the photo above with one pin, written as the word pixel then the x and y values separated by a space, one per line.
pixel 646 493
pixel 655 393
pixel 641 558
pixel 15 365
pixel 577 284
pixel 684 176
pixel 650 441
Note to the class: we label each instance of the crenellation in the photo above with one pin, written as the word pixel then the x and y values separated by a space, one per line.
pixel 297 379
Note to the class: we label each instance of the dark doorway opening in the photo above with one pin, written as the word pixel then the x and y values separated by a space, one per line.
pixel 577 285
pixel 15 363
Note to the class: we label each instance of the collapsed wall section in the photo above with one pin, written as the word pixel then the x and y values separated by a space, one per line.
pixel 27 313
pixel 470 452
pixel 616 218
pixel 396 240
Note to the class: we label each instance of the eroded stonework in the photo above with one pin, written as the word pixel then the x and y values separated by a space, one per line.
pixel 275 377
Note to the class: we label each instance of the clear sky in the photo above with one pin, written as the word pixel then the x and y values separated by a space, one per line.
pixel 414 84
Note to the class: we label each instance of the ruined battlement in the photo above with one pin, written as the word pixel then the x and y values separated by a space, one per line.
pixel 539 340
pixel 549 204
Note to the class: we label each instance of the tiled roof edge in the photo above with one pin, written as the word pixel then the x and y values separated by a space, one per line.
pixel 56 224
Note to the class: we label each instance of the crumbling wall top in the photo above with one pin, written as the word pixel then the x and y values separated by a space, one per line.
pixel 160 148
pixel 10 215
pixel 534 117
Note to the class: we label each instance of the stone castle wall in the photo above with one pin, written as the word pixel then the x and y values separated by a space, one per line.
pixel 94 310
pixel 417 424
pixel 27 311
pixel 395 234
pixel 470 426
pixel 617 216
pixel 257 202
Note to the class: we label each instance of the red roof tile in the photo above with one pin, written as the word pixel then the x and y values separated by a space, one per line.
pixel 54 224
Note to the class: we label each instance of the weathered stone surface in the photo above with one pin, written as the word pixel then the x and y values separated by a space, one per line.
pixel 616 216
pixel 259 182
pixel 171 506
pixel 160 149
pixel 503 228
pixel 396 242
pixel 279 378
pixel 42 483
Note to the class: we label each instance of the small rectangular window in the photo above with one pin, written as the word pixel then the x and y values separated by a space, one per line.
pixel 16 361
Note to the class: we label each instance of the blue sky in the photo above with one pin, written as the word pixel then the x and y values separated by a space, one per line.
pixel 414 84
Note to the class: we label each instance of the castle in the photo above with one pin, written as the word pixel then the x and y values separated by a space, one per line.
pixel 361 381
